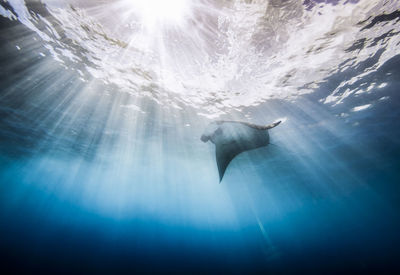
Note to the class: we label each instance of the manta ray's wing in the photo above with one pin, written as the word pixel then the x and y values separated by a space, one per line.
pixel 224 155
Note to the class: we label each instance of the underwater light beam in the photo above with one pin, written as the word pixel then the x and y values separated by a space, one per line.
pixel 159 12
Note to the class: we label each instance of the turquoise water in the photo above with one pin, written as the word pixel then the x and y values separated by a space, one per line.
pixel 101 164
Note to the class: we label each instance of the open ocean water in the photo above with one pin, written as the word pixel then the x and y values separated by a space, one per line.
pixel 102 105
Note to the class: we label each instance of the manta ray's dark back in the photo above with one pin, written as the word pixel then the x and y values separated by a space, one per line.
pixel 234 137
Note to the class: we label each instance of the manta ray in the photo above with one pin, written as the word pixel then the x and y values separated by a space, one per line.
pixel 234 137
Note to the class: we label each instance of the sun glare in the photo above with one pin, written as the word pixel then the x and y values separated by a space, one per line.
pixel 161 12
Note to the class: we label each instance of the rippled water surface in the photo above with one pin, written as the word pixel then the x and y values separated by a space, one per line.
pixel 102 105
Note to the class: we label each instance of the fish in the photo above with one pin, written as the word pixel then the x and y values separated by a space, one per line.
pixel 234 137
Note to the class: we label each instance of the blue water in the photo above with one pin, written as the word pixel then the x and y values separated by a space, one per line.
pixel 89 186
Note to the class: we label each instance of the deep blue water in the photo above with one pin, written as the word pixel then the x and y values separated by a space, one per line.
pixel 87 187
